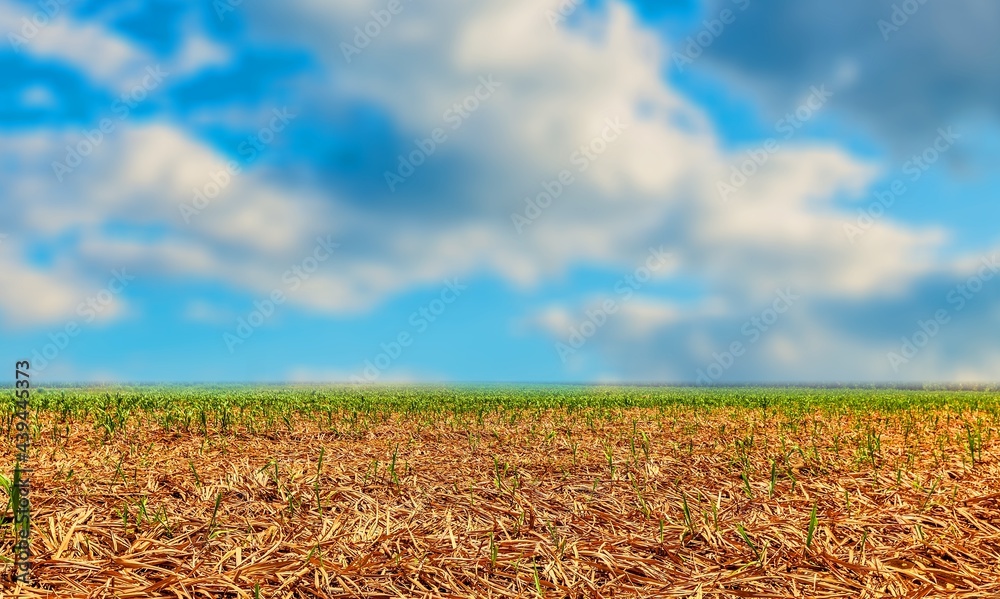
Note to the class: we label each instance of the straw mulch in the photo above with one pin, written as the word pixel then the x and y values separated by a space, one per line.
pixel 549 504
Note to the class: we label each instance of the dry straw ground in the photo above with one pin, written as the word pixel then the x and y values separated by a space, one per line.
pixel 670 502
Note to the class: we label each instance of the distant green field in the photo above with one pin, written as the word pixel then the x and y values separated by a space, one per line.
pixel 244 401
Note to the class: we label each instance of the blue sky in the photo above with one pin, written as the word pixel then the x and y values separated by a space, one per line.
pixel 512 190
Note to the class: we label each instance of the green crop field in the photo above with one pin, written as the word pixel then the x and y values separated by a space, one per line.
pixel 177 404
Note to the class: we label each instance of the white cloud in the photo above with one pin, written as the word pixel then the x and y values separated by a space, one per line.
pixel 655 185
pixel 199 52
pixel 105 55
pixel 202 311
pixel 32 296
pixel 308 374
pixel 39 296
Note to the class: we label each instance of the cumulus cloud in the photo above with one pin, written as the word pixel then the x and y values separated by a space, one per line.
pixel 927 334
pixel 650 181
pixel 908 67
